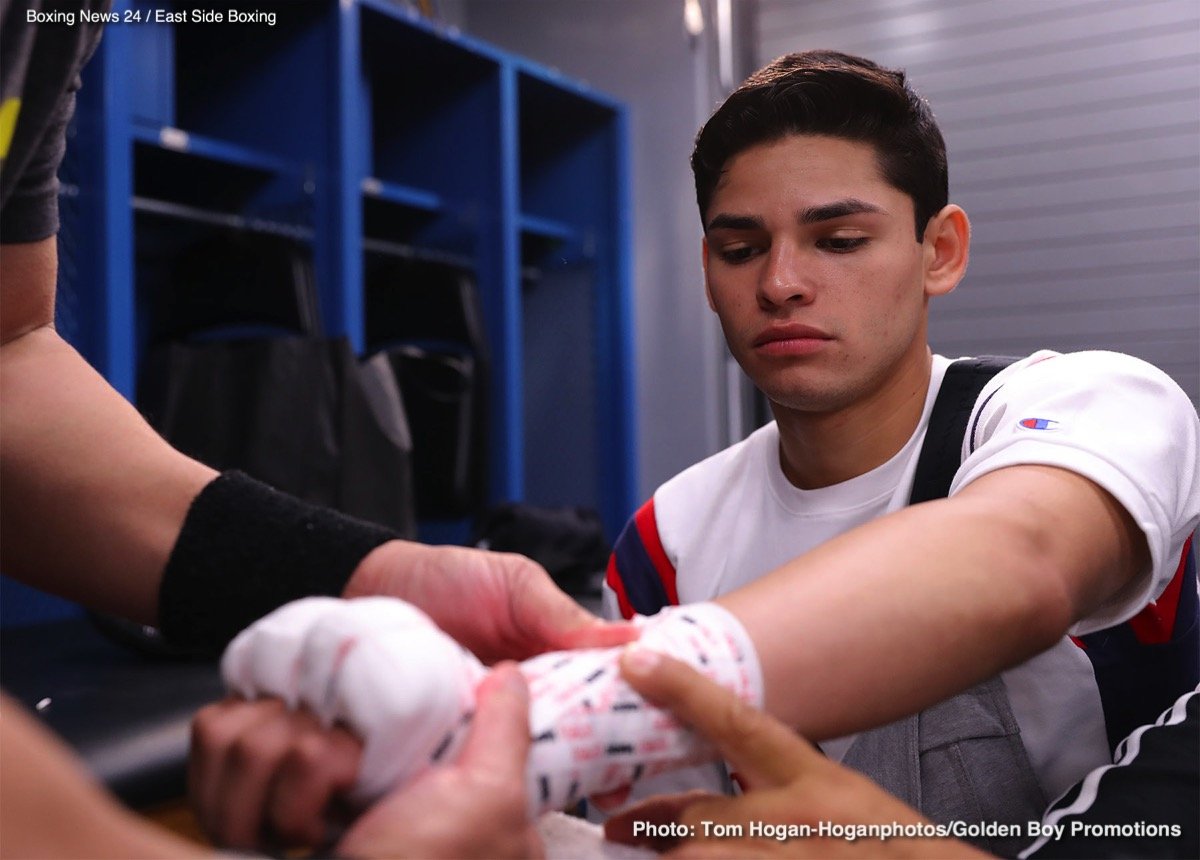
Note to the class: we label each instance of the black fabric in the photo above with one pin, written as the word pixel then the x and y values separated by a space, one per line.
pixel 230 279
pixel 426 317
pixel 440 398
pixel 422 300
pixel 568 542
pixel 246 549
pixel 941 455
pixel 1157 783
pixel 299 413
pixel 40 65
pixel 376 475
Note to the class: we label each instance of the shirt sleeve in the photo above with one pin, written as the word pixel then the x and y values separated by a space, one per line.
pixel 31 211
pixel 640 575
pixel 1114 419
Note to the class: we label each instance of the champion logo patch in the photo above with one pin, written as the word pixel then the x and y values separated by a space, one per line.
pixel 1038 424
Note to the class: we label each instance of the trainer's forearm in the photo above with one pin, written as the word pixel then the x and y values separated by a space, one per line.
pixel 50 806
pixel 908 609
pixel 91 498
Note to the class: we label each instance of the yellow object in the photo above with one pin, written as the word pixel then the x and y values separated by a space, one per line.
pixel 8 123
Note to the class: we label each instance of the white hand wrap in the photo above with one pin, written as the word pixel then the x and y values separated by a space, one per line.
pixel 592 733
pixel 377 665
pixel 382 668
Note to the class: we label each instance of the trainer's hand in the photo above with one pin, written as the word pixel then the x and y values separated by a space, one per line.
pixel 786 780
pixel 263 777
pixel 501 606
pixel 472 808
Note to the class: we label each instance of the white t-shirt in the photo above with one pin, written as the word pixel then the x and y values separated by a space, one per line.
pixel 1115 419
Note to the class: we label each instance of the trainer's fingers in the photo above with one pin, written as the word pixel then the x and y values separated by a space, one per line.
pixel 720 826
pixel 599 634
pixel 498 743
pixel 652 815
pixel 557 623
pixel 610 801
pixel 717 809
pixel 743 849
pixel 761 749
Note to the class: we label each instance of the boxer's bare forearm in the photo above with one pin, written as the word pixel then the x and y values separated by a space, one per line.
pixel 908 609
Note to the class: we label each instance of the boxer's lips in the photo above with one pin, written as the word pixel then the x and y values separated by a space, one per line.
pixel 790 339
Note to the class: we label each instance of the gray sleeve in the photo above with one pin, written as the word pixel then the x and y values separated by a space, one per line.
pixel 30 210
pixel 31 213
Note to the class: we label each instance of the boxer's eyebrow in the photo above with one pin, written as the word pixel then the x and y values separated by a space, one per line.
pixel 810 215
pixel 837 209
pixel 735 222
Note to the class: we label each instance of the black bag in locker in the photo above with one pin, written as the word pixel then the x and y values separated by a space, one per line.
pixel 426 318
pixel 299 413
pixel 295 411
pixel 377 475
pixel 438 391
pixel 233 279
pixel 569 542
pixel 422 300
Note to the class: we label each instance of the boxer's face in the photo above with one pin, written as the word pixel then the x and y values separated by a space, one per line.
pixel 811 265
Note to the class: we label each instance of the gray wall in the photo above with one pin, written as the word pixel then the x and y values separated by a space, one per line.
pixel 637 51
pixel 1073 130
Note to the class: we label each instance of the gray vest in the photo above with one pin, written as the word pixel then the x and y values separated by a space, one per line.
pixel 960 760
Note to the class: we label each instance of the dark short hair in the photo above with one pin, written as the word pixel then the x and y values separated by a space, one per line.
pixel 834 94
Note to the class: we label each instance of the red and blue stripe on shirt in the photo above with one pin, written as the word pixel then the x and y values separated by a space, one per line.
pixel 639 571
pixel 1146 663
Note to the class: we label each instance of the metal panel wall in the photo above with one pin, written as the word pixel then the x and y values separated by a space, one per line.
pixel 1073 130
pixel 639 52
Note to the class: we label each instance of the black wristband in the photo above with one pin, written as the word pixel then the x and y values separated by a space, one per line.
pixel 246 549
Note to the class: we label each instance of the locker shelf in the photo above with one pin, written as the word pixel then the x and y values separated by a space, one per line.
pixel 359 133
